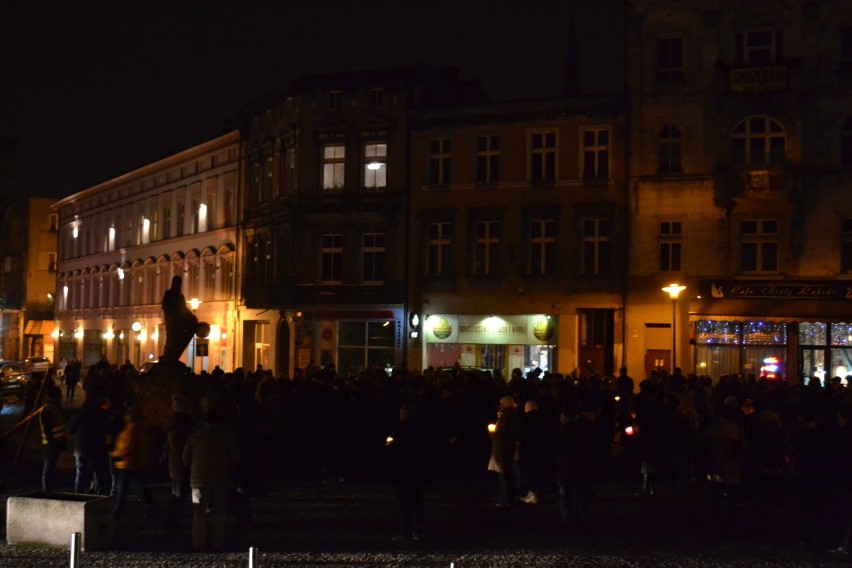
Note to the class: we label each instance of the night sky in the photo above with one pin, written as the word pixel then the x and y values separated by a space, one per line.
pixel 91 90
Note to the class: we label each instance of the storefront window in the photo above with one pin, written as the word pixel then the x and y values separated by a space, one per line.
pixel 732 347
pixel 364 345
pixel 812 333
pixel 718 332
pixel 841 334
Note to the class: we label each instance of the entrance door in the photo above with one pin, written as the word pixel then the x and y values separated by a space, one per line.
pixel 657 359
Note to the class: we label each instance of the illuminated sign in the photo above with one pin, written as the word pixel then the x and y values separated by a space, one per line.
pixel 776 289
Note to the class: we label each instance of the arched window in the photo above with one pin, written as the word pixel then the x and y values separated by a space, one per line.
pixel 670 148
pixel 758 141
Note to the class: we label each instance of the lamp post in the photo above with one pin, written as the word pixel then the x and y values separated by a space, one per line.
pixel 193 303
pixel 674 290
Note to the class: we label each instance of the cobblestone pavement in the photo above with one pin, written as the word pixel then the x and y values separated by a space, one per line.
pixel 321 524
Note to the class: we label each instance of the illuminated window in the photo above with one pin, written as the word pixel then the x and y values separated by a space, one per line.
pixel 333 166
pixel 375 165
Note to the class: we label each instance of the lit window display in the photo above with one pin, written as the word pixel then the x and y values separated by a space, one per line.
pixel 821 342
pixel 734 347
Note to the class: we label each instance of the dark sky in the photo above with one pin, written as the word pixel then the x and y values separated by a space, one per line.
pixel 92 89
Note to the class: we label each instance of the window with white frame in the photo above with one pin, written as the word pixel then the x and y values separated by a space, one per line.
pixel 759 245
pixel 331 258
pixel 487 159
pixel 595 152
pixel 760 48
pixel 670 241
pixel 440 161
pixel 542 246
pixel 438 243
pixel 485 246
pixel 758 141
pixel 669 59
pixel 597 246
pixel 333 166
pixel 543 148
pixel 375 164
pixel 373 258
pixel 670 147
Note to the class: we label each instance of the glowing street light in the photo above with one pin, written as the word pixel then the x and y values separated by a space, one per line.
pixel 674 290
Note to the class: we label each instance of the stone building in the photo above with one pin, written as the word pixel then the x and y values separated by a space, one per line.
pixel 120 243
pixel 740 167
pixel 28 236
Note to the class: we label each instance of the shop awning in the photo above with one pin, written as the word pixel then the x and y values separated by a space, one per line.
pixel 39 327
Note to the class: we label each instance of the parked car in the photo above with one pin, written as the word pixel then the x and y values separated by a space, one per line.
pixel 146 367
pixel 37 364
pixel 14 379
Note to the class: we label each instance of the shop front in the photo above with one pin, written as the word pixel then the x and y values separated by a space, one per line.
pixel 793 331
pixel 491 342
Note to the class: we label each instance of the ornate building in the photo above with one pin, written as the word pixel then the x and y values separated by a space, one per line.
pixel 120 243
pixel 741 165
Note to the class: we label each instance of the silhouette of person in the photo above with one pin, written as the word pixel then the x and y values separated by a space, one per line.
pixel 181 323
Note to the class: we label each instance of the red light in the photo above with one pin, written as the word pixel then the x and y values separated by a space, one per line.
pixel 629 430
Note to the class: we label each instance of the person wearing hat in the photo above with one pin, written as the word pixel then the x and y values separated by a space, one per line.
pixel 53 437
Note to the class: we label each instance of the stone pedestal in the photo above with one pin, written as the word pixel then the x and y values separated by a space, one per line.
pixel 51 518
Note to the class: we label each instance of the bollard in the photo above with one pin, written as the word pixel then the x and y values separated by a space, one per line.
pixel 253 560
pixel 76 541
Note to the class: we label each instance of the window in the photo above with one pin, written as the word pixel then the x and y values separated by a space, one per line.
pixel 438 242
pixel 670 150
pixel 543 156
pixel 487 159
pixel 595 153
pixel 155 230
pixel 759 245
pixel 670 237
pixel 440 161
pixel 597 246
pixel 128 231
pixel 377 97
pixel 256 183
pixel 846 144
pixel 335 99
pixel 331 258
pixel 758 141
pixel 267 188
pixel 375 165
pixel 333 166
pixel 760 48
pixel 53 222
pixel 373 258
pixel 196 216
pixel 51 261
pixel 181 219
pixel 669 60
pixel 487 241
pixel 542 243
pixel 290 170
pixel 167 222
pixel 846 246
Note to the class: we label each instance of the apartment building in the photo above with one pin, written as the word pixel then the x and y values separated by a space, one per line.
pixel 518 236
pixel 740 169
pixel 326 209
pixel 120 243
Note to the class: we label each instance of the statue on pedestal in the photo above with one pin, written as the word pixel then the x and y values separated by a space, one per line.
pixel 181 323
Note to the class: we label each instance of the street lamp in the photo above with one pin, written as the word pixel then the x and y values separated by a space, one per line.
pixel 193 303
pixel 674 290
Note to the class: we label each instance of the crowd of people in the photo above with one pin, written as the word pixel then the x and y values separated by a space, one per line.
pixel 741 440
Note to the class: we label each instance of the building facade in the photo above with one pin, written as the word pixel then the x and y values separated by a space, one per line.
pixel 518 236
pixel 326 209
pixel 122 241
pixel 740 165
pixel 28 249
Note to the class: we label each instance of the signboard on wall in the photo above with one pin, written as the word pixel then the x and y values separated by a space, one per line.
pixel 776 290
pixel 535 329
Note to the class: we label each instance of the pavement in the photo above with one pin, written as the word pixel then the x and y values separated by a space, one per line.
pixel 328 523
